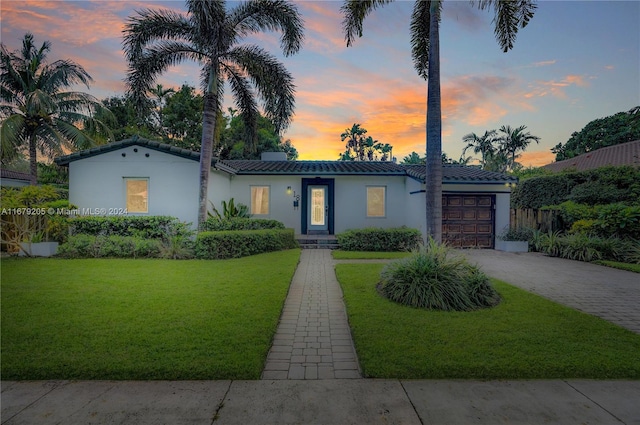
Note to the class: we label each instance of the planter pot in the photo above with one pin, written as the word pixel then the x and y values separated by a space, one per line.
pixel 38 249
pixel 512 246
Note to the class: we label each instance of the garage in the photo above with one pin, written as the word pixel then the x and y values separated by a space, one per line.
pixel 468 220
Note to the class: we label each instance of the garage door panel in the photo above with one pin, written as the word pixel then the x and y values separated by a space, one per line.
pixel 467 221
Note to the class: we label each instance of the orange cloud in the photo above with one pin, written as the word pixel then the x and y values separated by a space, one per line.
pixel 555 87
pixel 536 158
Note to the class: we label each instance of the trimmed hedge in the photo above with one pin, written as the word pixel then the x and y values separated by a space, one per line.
pixel 376 239
pixel 114 246
pixel 149 227
pixel 242 243
pixel 239 223
pixel 600 186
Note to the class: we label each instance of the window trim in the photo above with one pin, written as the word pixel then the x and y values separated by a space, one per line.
pixel 384 201
pixel 126 194
pixel 251 205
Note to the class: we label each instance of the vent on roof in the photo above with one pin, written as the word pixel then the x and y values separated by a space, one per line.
pixel 273 156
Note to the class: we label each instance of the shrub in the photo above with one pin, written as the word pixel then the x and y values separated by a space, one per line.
pixel 619 219
pixel 376 239
pixel 89 246
pixel 149 227
pixel 239 223
pixel 241 243
pixel 517 234
pixel 229 210
pixel 430 278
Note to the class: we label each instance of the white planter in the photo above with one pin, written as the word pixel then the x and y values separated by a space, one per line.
pixel 38 249
pixel 512 246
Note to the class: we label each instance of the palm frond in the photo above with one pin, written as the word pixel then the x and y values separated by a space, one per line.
pixel 419 27
pixel 270 15
pixel 272 81
pixel 11 130
pixel 354 12
pixel 510 15
pixel 62 73
pixel 207 18
pixel 245 103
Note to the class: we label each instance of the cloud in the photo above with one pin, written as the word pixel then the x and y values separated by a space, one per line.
pixel 556 88
pixel 536 158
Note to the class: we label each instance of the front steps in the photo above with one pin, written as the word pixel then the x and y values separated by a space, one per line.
pixel 317 241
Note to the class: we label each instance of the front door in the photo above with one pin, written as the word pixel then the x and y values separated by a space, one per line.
pixel 318 209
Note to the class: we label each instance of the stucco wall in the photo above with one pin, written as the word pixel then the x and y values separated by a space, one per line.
pixel 99 182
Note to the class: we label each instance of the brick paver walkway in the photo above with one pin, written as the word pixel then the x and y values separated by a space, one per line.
pixel 313 340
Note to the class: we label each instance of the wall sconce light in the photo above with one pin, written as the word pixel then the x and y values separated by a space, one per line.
pixel 296 198
pixel 289 191
pixel 511 185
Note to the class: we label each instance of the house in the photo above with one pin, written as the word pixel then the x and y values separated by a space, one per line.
pixel 139 176
pixel 616 155
pixel 11 178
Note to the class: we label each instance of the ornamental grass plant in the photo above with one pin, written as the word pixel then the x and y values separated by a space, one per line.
pixel 435 279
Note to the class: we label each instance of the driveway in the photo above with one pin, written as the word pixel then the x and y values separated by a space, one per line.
pixel 611 294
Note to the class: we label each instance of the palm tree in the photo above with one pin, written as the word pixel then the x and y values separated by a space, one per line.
pixel 514 140
pixel 354 137
pixel 425 41
pixel 208 34
pixel 37 115
pixel 484 145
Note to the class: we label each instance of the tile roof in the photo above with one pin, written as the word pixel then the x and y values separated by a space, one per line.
pixel 310 167
pixel 450 173
pixel 461 174
pixel 622 154
pixel 135 140
pixel 15 175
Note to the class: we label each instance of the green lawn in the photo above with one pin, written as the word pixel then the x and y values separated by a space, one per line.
pixel 525 337
pixel 141 319
pixel 622 266
pixel 367 255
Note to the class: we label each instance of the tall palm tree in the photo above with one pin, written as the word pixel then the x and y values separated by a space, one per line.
pixel 209 34
pixel 514 140
pixel 354 137
pixel 37 115
pixel 484 145
pixel 425 41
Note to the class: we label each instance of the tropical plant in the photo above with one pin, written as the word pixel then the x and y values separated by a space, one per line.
pixel 432 278
pixel 209 34
pixel 514 140
pixel 425 41
pixel 484 145
pixel 37 114
pixel 413 158
pixel 229 210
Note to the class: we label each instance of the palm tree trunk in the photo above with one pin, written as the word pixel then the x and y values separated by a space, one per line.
pixel 434 130
pixel 33 161
pixel 206 150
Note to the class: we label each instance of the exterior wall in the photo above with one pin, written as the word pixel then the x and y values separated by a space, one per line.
pixel 98 182
pixel 13 183
pixel 415 211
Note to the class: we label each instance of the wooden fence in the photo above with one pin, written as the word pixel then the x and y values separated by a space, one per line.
pixel 543 220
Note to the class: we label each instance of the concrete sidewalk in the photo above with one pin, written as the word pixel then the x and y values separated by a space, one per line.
pixel 333 401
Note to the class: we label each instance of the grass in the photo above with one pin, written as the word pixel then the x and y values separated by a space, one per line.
pixel 141 319
pixel 524 337
pixel 367 255
pixel 622 266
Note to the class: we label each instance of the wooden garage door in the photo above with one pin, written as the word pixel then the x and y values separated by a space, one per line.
pixel 467 221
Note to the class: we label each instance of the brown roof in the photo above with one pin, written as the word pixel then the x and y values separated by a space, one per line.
pixel 14 175
pixel 616 155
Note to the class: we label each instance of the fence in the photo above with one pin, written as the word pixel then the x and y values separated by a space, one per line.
pixel 543 220
pixel 15 229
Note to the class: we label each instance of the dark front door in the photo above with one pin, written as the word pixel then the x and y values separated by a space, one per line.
pixel 317 206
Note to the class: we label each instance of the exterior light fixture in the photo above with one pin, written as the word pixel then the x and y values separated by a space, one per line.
pixel 289 191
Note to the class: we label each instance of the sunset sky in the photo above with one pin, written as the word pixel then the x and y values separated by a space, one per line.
pixel 575 62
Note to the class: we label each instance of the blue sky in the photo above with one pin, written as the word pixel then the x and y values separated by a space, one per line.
pixel 575 62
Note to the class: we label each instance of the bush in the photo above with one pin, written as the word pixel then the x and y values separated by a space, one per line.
pixel 89 246
pixel 518 234
pixel 376 239
pixel 431 279
pixel 213 224
pixel 241 243
pixel 149 227
pixel 619 220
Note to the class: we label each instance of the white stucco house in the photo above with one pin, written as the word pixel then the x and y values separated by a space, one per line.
pixel 144 177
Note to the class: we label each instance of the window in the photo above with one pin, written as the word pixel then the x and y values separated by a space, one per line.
pixel 376 201
pixel 260 200
pixel 137 195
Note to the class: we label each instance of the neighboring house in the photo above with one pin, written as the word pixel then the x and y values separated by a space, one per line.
pixel 616 155
pixel 11 178
pixel 312 197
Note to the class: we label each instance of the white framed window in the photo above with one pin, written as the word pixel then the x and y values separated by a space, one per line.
pixel 260 200
pixel 137 194
pixel 376 201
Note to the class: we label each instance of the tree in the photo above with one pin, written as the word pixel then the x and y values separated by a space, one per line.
pixel 413 158
pixel 425 41
pixel 233 143
pixel 37 115
pixel 619 128
pixel 484 145
pixel 361 148
pixel 181 118
pixel 515 140
pixel 208 34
